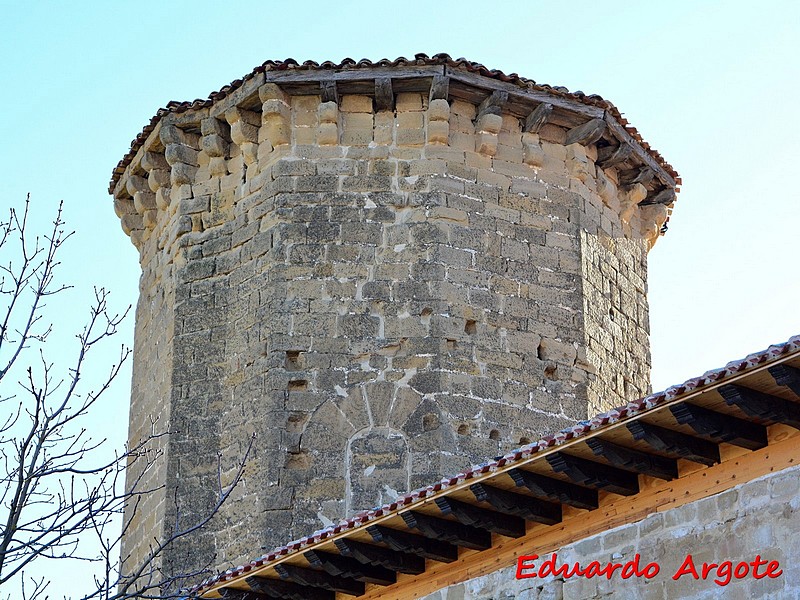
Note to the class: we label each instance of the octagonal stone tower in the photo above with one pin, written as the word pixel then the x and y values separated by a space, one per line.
pixel 384 272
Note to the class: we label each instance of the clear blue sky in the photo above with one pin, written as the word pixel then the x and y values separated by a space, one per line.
pixel 712 85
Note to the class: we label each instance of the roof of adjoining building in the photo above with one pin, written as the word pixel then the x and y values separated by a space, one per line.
pixel 271 67
pixel 714 421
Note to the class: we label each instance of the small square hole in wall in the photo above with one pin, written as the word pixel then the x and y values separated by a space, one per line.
pixel 471 327
pixel 293 360
pixel 451 344
pixel 298 385
pixel 463 429
pixel 494 434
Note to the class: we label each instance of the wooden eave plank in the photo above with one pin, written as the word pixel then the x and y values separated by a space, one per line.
pixel 738 465
pixel 537 96
pixel 351 74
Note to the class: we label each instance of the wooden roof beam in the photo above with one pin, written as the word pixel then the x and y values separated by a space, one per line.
pixel 786 376
pixel 475 516
pixel 719 427
pixel 678 444
pixel 530 509
pixel 384 94
pixel 665 196
pixel 641 175
pixel 403 541
pixel 586 134
pixel 609 156
pixel 537 118
pixel 396 561
pixel 448 531
pixel 440 87
pixel 343 566
pixel 329 91
pixel 231 594
pixel 286 590
pixel 634 460
pixel 556 490
pixel 759 405
pixel 492 104
pixel 320 579
pixel 594 474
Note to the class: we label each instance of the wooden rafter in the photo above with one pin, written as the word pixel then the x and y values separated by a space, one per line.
pixel 320 579
pixel 537 118
pixel 476 516
pixel 719 427
pixel 556 490
pixel 277 588
pixel 675 443
pixel 530 509
pixel 399 562
pixel 594 474
pixel 403 541
pixel 634 460
pixel 787 376
pixel 448 531
pixel 764 407
pixel 344 566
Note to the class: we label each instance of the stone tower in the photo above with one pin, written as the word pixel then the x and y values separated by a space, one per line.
pixel 384 272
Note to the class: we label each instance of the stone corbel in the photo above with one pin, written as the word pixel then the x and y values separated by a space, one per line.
pixel 275 116
pixel 181 150
pixel 158 177
pixel 438 121
pixel 215 143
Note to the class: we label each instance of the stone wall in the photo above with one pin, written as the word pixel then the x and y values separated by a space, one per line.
pixel 380 296
pixel 758 518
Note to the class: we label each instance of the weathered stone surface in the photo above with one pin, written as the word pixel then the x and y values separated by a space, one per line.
pixel 380 298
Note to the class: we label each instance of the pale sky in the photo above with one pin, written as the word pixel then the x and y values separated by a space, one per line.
pixel 711 85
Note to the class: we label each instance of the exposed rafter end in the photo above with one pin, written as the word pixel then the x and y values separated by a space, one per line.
pixel 448 531
pixel 675 443
pixel 641 175
pixel 277 588
pixel 531 509
pixel 384 94
pixel 403 541
pixel 492 104
pixel 609 156
pixel 586 134
pixel 440 87
pixel 555 489
pixel 328 91
pixel 786 376
pixel 634 460
pixel 594 474
pixel 537 118
pixel 475 516
pixel 720 427
pixel 665 196
pixel 320 579
pixel 761 406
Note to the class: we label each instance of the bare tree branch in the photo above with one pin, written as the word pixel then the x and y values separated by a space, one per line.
pixel 58 486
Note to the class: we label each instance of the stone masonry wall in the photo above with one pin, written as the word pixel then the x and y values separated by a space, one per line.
pixel 150 414
pixel 376 297
pixel 757 518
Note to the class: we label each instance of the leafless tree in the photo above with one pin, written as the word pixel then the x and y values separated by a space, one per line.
pixel 61 495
